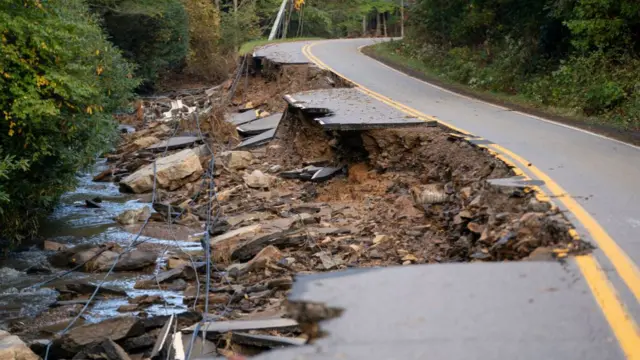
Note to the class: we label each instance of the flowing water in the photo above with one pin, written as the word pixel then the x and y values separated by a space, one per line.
pixel 72 223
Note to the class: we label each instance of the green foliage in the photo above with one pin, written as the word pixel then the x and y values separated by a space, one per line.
pixel 152 34
pixel 59 81
pixel 580 55
pixel 239 27
pixel 205 58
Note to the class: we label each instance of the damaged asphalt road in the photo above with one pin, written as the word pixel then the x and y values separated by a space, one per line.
pixel 342 228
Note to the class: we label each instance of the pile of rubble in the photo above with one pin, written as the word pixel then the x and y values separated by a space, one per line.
pixel 304 200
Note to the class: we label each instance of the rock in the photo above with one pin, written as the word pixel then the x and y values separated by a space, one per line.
pixel 202 151
pixel 280 232
pixel 172 172
pixel 102 262
pixel 128 308
pixel 328 261
pixel 145 142
pixel 236 160
pixel 135 260
pixel 104 176
pixel 268 255
pixel 130 217
pixel 258 180
pixel 275 168
pixel 380 239
pixel 12 348
pixel 145 300
pixel 53 246
pixel 410 257
pixel 104 350
pixel 186 272
pixel 541 254
pixel 174 263
pixel 475 228
pixel 537 206
pixel 226 194
pixel 83 287
pixel 405 208
pixel 92 204
pixel 140 342
pixel 115 329
pixel 425 195
pixel 465 192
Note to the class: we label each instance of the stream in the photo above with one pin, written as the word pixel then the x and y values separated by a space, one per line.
pixel 71 224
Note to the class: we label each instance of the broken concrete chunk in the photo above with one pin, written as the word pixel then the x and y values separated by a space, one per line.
pixel 172 172
pixel 12 348
pixel 245 325
pixel 265 341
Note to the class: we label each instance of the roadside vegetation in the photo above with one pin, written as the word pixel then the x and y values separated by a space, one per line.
pixel 571 57
pixel 67 66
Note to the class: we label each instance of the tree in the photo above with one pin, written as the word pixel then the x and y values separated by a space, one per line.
pixel 60 79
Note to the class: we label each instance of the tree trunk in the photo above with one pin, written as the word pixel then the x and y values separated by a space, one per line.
pixel 364 25
pixel 288 18
pixel 402 18
pixel 235 6
pixel 378 21
pixel 384 23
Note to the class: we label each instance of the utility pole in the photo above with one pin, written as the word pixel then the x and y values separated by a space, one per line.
pixel 274 29
pixel 402 18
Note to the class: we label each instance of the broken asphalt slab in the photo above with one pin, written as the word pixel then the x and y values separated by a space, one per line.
pixel 514 310
pixel 174 143
pixel 261 125
pixel 243 117
pixel 289 53
pixel 350 109
pixel 257 140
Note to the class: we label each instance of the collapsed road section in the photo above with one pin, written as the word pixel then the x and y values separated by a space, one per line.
pixel 323 192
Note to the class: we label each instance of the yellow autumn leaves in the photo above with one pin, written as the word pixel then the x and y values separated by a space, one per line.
pixel 298 4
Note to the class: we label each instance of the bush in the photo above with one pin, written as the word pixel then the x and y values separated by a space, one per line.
pixel 152 34
pixel 59 81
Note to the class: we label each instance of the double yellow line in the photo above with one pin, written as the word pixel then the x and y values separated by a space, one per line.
pixel 622 324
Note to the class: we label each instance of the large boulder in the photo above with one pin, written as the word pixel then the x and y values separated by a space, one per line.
pixel 172 172
pixel 12 348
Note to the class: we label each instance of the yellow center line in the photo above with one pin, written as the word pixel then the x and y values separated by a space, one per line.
pixel 622 324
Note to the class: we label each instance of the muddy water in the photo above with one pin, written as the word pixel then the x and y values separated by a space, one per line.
pixel 72 223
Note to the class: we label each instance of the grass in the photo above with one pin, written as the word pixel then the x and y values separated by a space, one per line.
pixel 249 46
pixel 419 69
